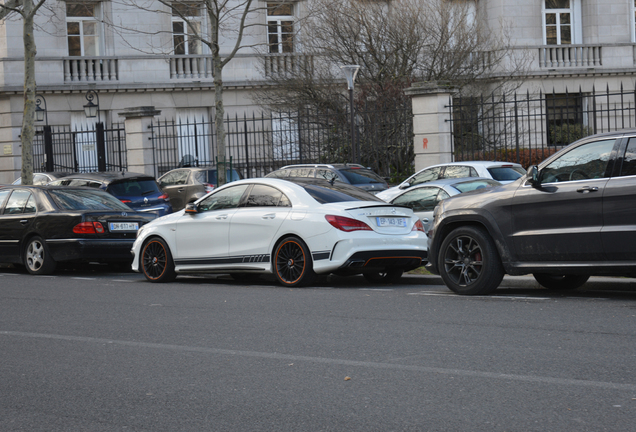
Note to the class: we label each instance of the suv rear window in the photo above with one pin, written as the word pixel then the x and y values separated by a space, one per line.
pixel 326 194
pixel 86 200
pixel 506 173
pixel 360 176
pixel 134 187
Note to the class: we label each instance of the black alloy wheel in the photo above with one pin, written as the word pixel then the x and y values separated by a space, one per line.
pixel 156 261
pixel 293 265
pixel 469 263
pixel 37 258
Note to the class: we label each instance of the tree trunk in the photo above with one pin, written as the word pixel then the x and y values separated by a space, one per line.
pixel 219 115
pixel 28 131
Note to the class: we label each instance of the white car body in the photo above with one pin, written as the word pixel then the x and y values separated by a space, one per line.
pixel 245 238
pixel 500 171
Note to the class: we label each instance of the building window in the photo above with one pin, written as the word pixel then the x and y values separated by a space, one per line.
pixel 83 28
pixel 186 26
pixel 557 22
pixel 280 27
pixel 566 118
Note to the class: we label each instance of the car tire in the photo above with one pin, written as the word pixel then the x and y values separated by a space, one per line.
pixel 560 282
pixel 37 258
pixel 292 261
pixel 387 276
pixel 469 263
pixel 156 261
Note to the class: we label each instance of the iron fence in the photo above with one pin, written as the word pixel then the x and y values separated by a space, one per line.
pixel 528 128
pixel 62 148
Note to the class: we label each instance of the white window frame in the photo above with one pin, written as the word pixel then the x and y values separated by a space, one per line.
pixel 575 21
pixel 632 8
pixel 278 20
pixel 96 18
pixel 186 33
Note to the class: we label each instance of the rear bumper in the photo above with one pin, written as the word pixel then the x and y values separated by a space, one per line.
pixel 98 250
pixel 388 259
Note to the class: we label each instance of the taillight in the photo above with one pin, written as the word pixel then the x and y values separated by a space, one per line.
pixel 164 197
pixel 125 201
pixel 208 187
pixel 419 226
pixel 88 228
pixel 347 224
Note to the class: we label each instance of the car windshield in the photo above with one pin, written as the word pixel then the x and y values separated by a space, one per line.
pixel 325 193
pixel 506 173
pixel 134 187
pixel 360 176
pixel 209 176
pixel 471 185
pixel 73 199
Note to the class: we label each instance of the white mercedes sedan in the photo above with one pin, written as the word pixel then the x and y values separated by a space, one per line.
pixel 293 229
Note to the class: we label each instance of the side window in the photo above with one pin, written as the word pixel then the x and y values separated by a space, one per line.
pixel 223 199
pixel 458 171
pixel 421 199
pixel 40 179
pixel 301 172
pixel 175 178
pixel 628 168
pixel 17 202
pixel 3 196
pixel 78 182
pixel 426 176
pixel 30 205
pixel 265 196
pixel 587 161
pixel 327 174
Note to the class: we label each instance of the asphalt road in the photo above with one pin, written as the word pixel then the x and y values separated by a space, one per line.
pixel 105 351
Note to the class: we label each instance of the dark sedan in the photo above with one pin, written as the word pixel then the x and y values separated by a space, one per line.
pixel 41 226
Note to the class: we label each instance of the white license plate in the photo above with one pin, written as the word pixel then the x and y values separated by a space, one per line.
pixel 391 222
pixel 124 226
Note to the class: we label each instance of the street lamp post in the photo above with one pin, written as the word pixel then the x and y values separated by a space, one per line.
pixel 350 72
pixel 41 113
pixel 92 110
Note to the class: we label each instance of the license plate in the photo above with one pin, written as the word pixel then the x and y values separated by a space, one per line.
pixel 124 226
pixel 391 222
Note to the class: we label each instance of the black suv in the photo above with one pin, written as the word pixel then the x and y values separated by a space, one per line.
pixel 354 174
pixel 567 219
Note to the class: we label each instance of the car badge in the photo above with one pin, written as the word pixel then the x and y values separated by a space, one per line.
pixel 145 200
pixel 393 210
pixel 124 214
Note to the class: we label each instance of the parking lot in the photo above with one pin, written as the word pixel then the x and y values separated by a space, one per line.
pixel 99 350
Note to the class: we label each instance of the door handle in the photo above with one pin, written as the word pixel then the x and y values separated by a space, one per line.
pixel 269 216
pixel 180 190
pixel 425 220
pixel 24 221
pixel 586 189
pixel 223 216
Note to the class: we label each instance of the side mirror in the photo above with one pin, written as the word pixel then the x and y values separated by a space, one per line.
pixel 192 208
pixel 405 186
pixel 533 176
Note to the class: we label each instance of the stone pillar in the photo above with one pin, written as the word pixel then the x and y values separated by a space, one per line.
pixel 138 138
pixel 431 123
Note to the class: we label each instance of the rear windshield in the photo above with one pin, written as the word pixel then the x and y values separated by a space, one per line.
pixel 134 187
pixel 325 194
pixel 471 185
pixel 209 176
pixel 71 199
pixel 360 176
pixel 506 173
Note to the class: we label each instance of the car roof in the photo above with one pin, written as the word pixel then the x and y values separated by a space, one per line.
pixel 110 176
pixel 486 164
pixel 449 181
pixel 333 165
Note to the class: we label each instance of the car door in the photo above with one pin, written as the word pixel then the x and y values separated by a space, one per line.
pixel 561 220
pixel 423 201
pixel 175 185
pixel 16 219
pixel 203 238
pixel 256 223
pixel 619 208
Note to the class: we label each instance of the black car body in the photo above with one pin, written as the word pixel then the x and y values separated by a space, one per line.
pixel 188 184
pixel 567 219
pixel 43 225
pixel 353 174
pixel 138 191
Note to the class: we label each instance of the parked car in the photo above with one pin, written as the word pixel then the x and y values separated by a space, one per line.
pixel 294 229
pixel 138 191
pixel 42 178
pixel 184 185
pixel 353 174
pixel 568 218
pixel 424 197
pixel 41 226
pixel 503 172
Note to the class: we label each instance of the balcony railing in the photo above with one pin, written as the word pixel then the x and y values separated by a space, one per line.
pixel 91 69
pixel 191 66
pixel 283 64
pixel 569 56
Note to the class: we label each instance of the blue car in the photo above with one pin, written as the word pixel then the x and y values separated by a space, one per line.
pixel 138 191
